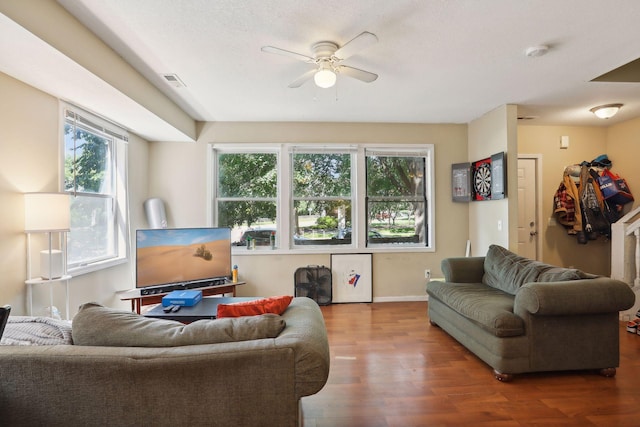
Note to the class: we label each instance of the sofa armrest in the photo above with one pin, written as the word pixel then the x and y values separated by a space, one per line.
pixel 306 334
pixel 574 297
pixel 463 270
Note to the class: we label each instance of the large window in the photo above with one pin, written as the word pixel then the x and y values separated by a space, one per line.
pixel 322 203
pixel 396 198
pixel 349 198
pixel 94 159
pixel 246 196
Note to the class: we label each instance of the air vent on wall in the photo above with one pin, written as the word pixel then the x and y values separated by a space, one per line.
pixel 174 80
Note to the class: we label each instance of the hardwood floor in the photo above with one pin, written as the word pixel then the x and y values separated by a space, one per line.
pixel 389 367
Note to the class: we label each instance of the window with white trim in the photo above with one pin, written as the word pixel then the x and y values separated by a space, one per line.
pixel 321 186
pixel 396 197
pixel 246 195
pixel 94 162
pixel 347 198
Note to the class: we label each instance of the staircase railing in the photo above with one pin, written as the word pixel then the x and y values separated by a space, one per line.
pixel 625 248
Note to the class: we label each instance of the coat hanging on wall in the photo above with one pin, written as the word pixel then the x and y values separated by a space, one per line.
pixel 585 202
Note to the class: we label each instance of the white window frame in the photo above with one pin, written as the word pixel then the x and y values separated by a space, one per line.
pixel 284 219
pixel 213 183
pixel 408 151
pixel 120 228
pixel 319 149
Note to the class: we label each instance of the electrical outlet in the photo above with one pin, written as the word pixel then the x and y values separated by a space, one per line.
pixel 427 274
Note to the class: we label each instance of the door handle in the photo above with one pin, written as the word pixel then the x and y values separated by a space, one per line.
pixel 533 233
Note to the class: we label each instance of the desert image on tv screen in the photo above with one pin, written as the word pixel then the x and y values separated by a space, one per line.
pixel 181 255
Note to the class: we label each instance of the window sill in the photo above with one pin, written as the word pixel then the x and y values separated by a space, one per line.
pixel 96 266
pixel 335 249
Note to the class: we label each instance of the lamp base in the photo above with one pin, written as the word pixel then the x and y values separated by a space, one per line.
pixel 51 264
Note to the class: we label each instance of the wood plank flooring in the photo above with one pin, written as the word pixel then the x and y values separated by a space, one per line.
pixel 390 368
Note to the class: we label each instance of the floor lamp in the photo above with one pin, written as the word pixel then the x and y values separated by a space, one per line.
pixel 48 213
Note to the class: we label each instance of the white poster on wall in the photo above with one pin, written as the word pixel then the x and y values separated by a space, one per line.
pixel 352 277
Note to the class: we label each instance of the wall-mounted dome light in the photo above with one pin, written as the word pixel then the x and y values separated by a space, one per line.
pixel 606 111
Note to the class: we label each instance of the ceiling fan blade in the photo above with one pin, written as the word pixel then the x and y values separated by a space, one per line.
pixel 358 43
pixel 294 55
pixel 356 73
pixel 302 79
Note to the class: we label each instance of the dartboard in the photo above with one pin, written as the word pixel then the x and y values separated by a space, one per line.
pixel 482 180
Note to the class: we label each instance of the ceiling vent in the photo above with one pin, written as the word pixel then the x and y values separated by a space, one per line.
pixel 174 80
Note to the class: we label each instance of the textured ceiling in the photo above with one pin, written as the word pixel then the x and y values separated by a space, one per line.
pixel 438 61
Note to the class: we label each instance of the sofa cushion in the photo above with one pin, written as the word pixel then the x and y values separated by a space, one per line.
pixel 559 274
pixel 274 305
pixel 508 271
pixel 96 325
pixel 490 308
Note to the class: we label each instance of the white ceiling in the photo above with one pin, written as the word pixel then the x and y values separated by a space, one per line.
pixel 439 61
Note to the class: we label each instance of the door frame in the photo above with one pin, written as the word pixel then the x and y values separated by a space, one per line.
pixel 541 225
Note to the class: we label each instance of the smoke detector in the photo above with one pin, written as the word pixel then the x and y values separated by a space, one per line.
pixel 535 51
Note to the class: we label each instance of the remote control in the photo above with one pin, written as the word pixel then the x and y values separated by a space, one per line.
pixel 168 308
pixel 175 308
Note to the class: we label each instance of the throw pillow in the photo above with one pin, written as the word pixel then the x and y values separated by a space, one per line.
pixel 276 305
pixel 559 274
pixel 101 326
pixel 508 271
pixel 27 330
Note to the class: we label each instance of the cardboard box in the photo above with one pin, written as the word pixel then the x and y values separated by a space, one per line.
pixel 186 298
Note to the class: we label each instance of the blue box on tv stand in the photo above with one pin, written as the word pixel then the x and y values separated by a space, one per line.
pixel 186 298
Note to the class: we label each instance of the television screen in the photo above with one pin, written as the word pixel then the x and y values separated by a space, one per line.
pixel 182 255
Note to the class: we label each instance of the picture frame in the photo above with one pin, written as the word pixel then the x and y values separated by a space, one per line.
pixel 498 176
pixel 351 276
pixel 461 182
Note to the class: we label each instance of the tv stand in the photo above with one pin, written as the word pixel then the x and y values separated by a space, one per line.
pixel 208 288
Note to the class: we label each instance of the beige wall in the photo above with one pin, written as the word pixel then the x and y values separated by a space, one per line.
pixel 585 143
pixel 177 173
pixel 29 123
pixel 28 162
pixel 61 31
pixel 494 221
pixel 623 148
pixel 178 176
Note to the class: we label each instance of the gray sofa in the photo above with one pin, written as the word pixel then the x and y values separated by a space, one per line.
pixel 519 315
pixel 256 382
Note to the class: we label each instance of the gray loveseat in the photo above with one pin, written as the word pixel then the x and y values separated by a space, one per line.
pixel 256 382
pixel 519 315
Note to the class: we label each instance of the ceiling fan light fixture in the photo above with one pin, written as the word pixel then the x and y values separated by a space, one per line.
pixel 606 111
pixel 325 77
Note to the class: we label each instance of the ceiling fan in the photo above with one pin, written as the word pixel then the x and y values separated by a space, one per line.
pixel 327 58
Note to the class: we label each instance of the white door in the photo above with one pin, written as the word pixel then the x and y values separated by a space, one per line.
pixel 528 236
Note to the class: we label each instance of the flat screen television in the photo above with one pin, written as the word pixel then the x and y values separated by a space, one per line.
pixel 183 257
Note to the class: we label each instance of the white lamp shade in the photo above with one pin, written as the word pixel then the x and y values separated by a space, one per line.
pixel 325 78
pixel 46 212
